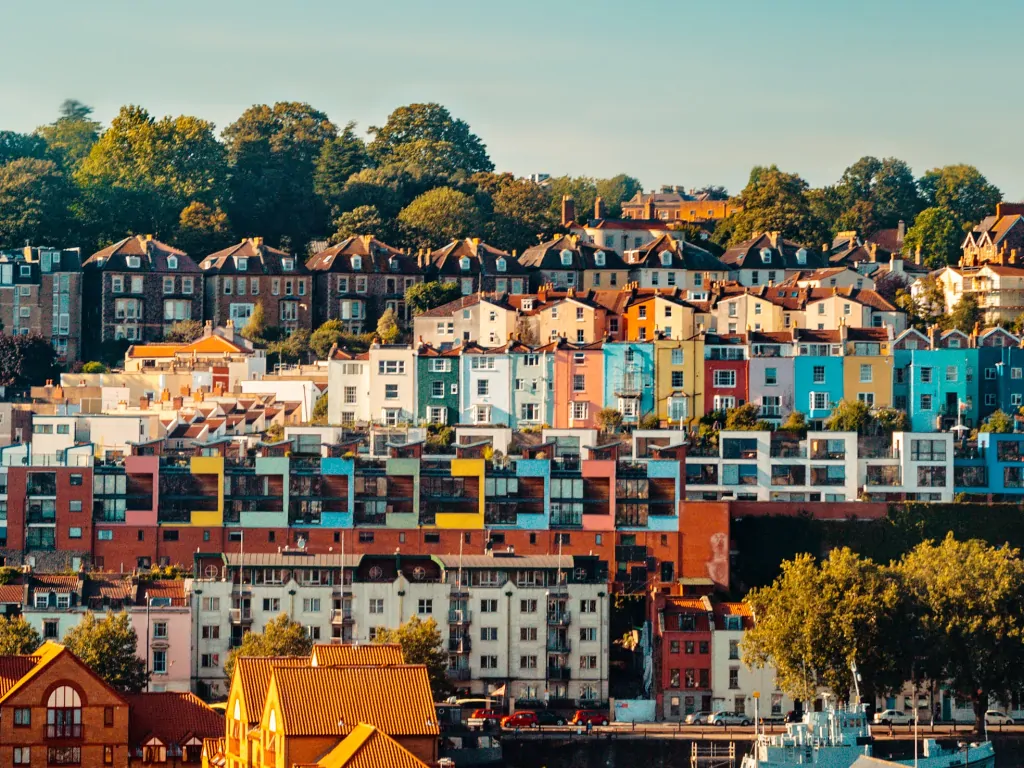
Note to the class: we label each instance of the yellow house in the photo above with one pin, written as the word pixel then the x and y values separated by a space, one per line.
pixel 250 681
pixel 742 311
pixel 868 366
pixel 679 379
pixel 573 318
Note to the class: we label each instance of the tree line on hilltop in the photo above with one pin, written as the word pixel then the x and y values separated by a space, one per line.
pixel 288 173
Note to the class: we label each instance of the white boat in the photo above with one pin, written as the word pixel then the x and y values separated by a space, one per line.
pixel 836 738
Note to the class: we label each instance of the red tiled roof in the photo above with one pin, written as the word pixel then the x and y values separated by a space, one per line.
pixel 368 747
pixel 172 717
pixel 56 582
pixel 372 654
pixel 254 675
pixel 12 593
pixel 12 669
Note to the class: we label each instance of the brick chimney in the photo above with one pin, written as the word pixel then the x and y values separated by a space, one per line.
pixel 872 252
pixel 568 211
pixel 649 208
pixel 599 209
pixel 901 231
pixel 229 330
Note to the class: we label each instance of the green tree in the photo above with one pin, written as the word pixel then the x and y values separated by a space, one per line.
pixel 202 229
pixel 962 191
pixel 426 135
pixel 280 637
pixel 423 297
pixel 582 190
pixel 364 220
pixel 520 211
pixel 744 418
pixel 714 192
pixel 273 154
pixel 440 216
pixel 70 138
pixel 850 416
pixel 94 367
pixel 998 422
pixel 319 415
pixel 34 203
pixel 937 234
pixel 184 331
pixel 17 146
pixel 26 361
pixel 892 420
pixel 815 621
pixel 965 315
pixel 608 420
pixel 968 596
pixel 422 643
pixel 927 308
pixel 108 646
pixel 649 421
pixel 339 159
pixel 387 327
pixel 615 191
pixel 774 201
pixel 17 637
pixel 325 337
pixel 291 348
pixel 886 188
pixel 256 326
pixel 274 433
pixel 796 423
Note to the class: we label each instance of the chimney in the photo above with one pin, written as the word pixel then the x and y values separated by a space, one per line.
pixel 542 294
pixel 896 265
pixel 568 211
pixel 774 238
pixel 917 255
pixel 872 252
pixel 177 403
pixel 207 329
pixel 257 242
pixel 144 403
pixel 901 230
pixel 649 208
pixel 229 330
pixel 599 210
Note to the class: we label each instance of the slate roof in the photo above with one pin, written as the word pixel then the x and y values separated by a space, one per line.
pixel 153 257
pixel 483 259
pixel 548 255
pixel 376 258
pixel 748 254
pixel 685 255
pixel 261 259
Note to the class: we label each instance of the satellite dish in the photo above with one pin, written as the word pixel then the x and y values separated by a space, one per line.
pixel 419 573
pixel 376 572
pixel 211 571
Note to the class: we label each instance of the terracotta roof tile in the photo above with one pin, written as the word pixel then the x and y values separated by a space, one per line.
pixel 172 717
pixel 372 654
pixel 13 668
pixel 12 593
pixel 254 675
pixel 56 582
pixel 368 747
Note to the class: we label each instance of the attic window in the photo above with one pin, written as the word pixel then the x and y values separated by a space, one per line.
pixel 242 263
pixel 766 255
pixel 134 262
pixel 801 256
pixel 357 263
pixel 464 263
pixel 395 264
pixel 566 258
pixel 527 304
pixel 172 262
pixel 287 264
pixel 599 258
pixel 502 264
pixel 666 258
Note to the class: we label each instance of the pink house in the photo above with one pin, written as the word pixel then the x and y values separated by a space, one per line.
pixel 579 384
pixel 162 619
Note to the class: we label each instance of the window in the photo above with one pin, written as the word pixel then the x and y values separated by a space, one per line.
pixel 868 398
pixel 160 630
pixel 1015 373
pixel 527 662
pixel 391 367
pixel 866 373
pixel 75 532
pixel 578 410
pixel 168 285
pixel 376 605
pixel 589 635
pixel 311 605
pixel 488 662
pixel 926 375
pixel 390 391
pixel 22 717
pixel 425 606
pixel 488 634
pixel 818 374
pixel 212 631
pixel 588 662
pixel 483 387
pixel 211 604
pixel 64 713
pixel 926 402
pixel 952 373
pixel 579 382
pixel 23 755
pixel 588 606
pixel 159 662
pixel 489 606
pixel 527 634
pixel 725 378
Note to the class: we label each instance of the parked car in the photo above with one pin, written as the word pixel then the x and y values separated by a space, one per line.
pixel 728 718
pixel 484 719
pixel 892 717
pixel 547 717
pixel 697 718
pixel 524 718
pixel 589 716
pixel 794 716
pixel 995 717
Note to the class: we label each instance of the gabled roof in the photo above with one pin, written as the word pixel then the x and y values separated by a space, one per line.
pixel 55 582
pixel 254 674
pixel 335 700
pixel 483 259
pixel 214 344
pixel 153 257
pixel 463 302
pixel 44 655
pixel 377 257
pixel 372 654
pixel 783 253
pixel 683 255
pixel 260 259
pixel 582 255
pixel 368 747
pixel 172 717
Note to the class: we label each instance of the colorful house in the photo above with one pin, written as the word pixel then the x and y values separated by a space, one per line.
pixel 629 379
pixel 818 373
pixel 532 372
pixel 437 385
pixel 679 379
pixel 579 384
pixel 484 389
pixel 868 366
pixel 570 262
pixel 660 315
pixel 725 371
pixel 771 374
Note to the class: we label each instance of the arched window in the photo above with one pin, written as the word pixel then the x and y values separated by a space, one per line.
pixel 801 256
pixel 357 263
pixel 666 258
pixel 64 714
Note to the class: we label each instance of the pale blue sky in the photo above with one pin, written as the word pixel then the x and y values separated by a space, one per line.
pixel 671 91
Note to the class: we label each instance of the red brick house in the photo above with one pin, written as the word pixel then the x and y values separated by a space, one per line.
pixel 168 728
pixel 682 652
pixel 137 288
pixel 725 371
pixel 250 273
pixel 356 280
pixel 476 266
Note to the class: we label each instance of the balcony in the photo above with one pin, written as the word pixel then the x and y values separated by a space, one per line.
pixel 566 519
pixel 881 475
pixel 822 476
pixel 64 731
pixel 789 474
pixel 341 615
pixel 702 451
pixel 460 616
pixel 558 672
pixel 559 645
pixel 559 618
pixel 241 615
pixel 460 644
pixel 459 674
pixel 788 450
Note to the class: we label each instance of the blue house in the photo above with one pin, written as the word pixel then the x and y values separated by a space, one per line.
pixel 817 373
pixel 629 379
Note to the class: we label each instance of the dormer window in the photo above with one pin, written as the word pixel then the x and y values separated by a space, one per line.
pixel 801 256
pixel 357 263
pixel 666 258
pixel 395 264
pixel 766 255
pixel 464 263
pixel 566 256
pixel 502 264
pixel 172 262
pixel 133 262
pixel 242 263
pixel 288 264
pixel 527 305
pixel 599 258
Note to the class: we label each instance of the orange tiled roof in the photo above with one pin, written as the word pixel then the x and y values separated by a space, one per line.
pixel 733 609
pixel 12 593
pixel 373 654
pixel 213 752
pixel 368 747
pixel 56 582
pixel 319 700
pixel 685 603
pixel 174 589
pixel 12 669
pixel 173 717
pixel 254 674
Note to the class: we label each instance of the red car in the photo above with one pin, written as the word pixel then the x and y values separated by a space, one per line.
pixel 589 717
pixel 522 719
pixel 484 718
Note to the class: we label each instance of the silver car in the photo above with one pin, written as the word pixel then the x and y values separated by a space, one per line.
pixel 728 718
pixel 696 718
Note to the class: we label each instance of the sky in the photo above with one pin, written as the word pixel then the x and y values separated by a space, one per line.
pixel 669 91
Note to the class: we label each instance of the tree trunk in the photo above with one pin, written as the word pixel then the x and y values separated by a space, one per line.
pixel 980 699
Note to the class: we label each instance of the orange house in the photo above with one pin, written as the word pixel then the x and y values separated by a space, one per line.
pixel 579 384
pixel 649 316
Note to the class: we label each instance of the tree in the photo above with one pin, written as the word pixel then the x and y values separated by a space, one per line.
pixel 520 211
pixel 815 621
pixel 26 361
pixel 17 637
pixel 714 192
pixel 94 367
pixel 16 146
pixel 364 220
pixel 387 327
pixel 339 159
pixel 70 138
pixel 850 416
pixel 796 423
pixel 937 235
pixel 968 597
pixel 273 154
pixel 280 637
pixel 582 190
pixel 744 418
pixel 927 308
pixel 274 433
pixel 319 415
pixel 966 314
pixel 774 201
pixel 35 198
pixel 325 337
pixel 423 297
pixel 256 326
pixel 608 420
pixel 884 189
pixel 440 216
pixel 649 421
pixel 891 420
pixel 289 349
pixel 998 422
pixel 421 643
pixel 202 229
pixel 426 135
pixel 184 331
pixel 962 191
pixel 108 646
pixel 616 190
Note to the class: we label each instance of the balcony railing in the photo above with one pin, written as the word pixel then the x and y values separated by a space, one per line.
pixel 558 673
pixel 459 673
pixel 460 616
pixel 567 519
pixel 241 615
pixel 559 645
pixel 339 615
pixel 460 644
pixel 559 618
pixel 65 731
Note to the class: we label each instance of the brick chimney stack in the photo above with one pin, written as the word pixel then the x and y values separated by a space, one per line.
pixel 599 209
pixel 568 211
